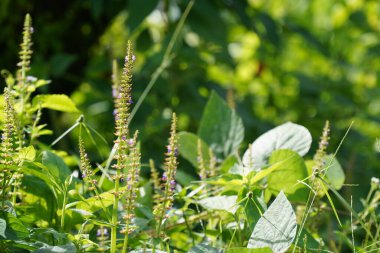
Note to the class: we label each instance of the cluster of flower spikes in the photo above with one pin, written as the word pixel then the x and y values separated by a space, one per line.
pixel 85 166
pixel 123 102
pixel 321 152
pixel 26 52
pixel 132 181
pixel 168 177
pixel 9 146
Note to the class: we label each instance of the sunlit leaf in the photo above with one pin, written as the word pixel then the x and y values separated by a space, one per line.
pixel 286 136
pixel 277 227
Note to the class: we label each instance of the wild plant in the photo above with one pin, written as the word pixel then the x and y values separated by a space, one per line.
pixel 233 202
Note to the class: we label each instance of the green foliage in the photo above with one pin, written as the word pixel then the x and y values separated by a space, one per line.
pixel 270 198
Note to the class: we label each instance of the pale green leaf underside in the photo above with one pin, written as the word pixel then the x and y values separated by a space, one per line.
pixel 286 136
pixel 277 227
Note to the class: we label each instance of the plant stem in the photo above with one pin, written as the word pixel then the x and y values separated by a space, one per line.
pixel 114 214
pixel 63 210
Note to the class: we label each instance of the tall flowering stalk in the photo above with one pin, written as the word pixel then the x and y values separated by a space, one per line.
pixel 85 166
pixel 132 188
pixel 168 178
pixel 123 101
pixel 25 55
pixel 321 152
pixel 8 148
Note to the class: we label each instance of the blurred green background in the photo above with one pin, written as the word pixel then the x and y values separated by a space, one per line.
pixel 280 60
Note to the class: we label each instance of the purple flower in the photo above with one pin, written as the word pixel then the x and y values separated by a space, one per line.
pixel 114 112
pixel 133 58
pixel 131 142
pixel 164 177
pixel 121 180
pixel 83 175
pixel 114 93
pixel 130 101
pixel 31 30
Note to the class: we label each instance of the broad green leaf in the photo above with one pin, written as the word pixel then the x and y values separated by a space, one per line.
pixel 56 167
pixel 204 248
pixel 292 170
pixel 277 227
pixel 68 248
pixel 27 153
pixel 334 172
pixel 286 136
pixel 225 203
pixel 221 128
pixel 58 102
pixel 15 229
pixel 95 203
pixel 3 227
pixel 188 148
pixel 245 250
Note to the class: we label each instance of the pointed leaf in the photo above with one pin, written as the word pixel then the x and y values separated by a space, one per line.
pixel 286 136
pixel 221 128
pixel 276 228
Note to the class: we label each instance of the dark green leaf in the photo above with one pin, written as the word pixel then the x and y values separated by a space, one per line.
pixel 221 128
pixel 188 148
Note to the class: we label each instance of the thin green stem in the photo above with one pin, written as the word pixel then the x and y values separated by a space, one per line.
pixel 165 60
pixel 63 210
pixel 114 220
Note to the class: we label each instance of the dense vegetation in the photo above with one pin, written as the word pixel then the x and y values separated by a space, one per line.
pixel 188 163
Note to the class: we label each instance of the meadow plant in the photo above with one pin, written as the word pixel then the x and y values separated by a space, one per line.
pixel 230 202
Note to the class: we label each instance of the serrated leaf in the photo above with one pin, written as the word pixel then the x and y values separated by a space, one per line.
pixel 221 128
pixel 58 102
pixel 188 147
pixel 277 227
pixel 286 136
pixel 225 203
pixel 204 248
pixel 291 171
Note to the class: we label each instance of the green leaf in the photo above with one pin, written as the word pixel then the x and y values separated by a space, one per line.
pixel 68 248
pixel 27 153
pixel 286 136
pixel 292 170
pixel 95 203
pixel 221 128
pixel 245 250
pixel 58 102
pixel 225 203
pixel 56 167
pixel 15 229
pixel 277 227
pixel 188 148
pixel 204 248
pixel 334 172
pixel 3 227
